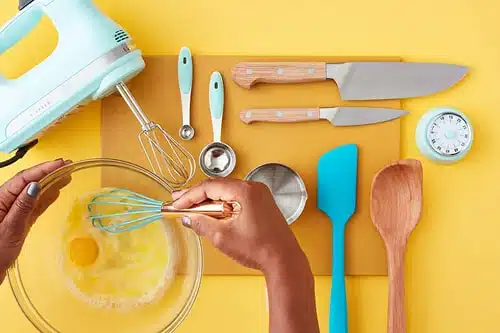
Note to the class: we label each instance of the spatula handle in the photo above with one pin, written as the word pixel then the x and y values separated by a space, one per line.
pixel 279 115
pixel 338 298
pixel 246 74
pixel 396 317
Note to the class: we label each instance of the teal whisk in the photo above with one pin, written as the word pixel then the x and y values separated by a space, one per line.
pixel 118 210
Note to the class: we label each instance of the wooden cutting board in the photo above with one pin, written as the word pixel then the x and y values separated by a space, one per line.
pixel 296 145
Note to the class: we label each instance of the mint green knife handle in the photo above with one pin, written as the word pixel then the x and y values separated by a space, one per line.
pixel 185 70
pixel 14 30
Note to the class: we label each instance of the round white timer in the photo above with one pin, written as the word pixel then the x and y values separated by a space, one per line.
pixel 444 135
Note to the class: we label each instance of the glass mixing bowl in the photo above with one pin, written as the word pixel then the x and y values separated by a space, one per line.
pixel 37 280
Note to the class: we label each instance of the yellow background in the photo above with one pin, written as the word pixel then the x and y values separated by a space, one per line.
pixel 453 266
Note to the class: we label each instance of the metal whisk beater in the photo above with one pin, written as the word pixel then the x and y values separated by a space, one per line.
pixel 118 210
pixel 165 155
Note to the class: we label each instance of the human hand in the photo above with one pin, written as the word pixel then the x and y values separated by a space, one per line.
pixel 257 236
pixel 20 207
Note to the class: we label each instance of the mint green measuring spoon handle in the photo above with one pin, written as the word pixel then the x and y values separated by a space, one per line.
pixel 216 102
pixel 185 77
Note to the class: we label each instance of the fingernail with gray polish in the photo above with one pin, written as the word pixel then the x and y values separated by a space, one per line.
pixel 34 189
pixel 186 221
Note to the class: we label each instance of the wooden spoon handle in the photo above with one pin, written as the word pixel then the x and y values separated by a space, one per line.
pixel 396 317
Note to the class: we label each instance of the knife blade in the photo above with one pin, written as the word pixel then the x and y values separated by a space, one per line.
pixel 357 80
pixel 338 116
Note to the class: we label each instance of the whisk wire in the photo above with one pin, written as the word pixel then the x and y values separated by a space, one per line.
pixel 127 213
pixel 119 199
pixel 178 173
pixel 129 195
pixel 176 165
pixel 128 225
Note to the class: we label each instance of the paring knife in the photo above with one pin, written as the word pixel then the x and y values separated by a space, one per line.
pixel 338 116
pixel 357 80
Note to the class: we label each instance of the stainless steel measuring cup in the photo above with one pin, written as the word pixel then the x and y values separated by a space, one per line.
pixel 286 185
pixel 217 159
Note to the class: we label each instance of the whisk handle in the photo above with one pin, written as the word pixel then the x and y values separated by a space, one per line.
pixel 217 209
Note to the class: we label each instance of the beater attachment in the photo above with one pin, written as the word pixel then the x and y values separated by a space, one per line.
pixel 167 158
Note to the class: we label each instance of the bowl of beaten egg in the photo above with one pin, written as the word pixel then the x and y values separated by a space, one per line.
pixel 73 277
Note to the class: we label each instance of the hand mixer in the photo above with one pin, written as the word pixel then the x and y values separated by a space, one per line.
pixel 119 210
pixel 93 58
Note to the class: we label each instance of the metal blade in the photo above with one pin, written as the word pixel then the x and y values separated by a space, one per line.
pixel 392 80
pixel 353 116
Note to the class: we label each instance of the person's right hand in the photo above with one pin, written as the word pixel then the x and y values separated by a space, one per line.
pixel 257 236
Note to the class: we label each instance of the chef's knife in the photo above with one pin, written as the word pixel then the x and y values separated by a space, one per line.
pixel 338 116
pixel 357 80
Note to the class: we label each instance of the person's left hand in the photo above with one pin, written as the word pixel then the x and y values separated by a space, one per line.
pixel 19 209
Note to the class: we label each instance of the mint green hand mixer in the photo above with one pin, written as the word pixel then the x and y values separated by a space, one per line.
pixel 94 57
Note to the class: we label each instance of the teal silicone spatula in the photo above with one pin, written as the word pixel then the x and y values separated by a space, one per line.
pixel 337 179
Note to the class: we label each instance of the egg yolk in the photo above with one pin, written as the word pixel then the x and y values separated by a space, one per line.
pixel 83 251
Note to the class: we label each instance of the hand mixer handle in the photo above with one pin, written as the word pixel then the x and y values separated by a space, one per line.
pixel 19 26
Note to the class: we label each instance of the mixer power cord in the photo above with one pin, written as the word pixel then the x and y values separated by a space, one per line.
pixel 21 151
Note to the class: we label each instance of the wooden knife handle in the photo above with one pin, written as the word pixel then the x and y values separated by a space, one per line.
pixel 279 115
pixel 246 74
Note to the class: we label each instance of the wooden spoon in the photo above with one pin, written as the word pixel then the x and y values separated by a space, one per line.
pixel 396 204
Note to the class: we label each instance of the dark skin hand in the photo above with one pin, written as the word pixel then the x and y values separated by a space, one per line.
pixel 20 205
pixel 258 237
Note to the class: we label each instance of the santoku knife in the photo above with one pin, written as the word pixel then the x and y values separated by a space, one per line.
pixel 357 80
pixel 338 116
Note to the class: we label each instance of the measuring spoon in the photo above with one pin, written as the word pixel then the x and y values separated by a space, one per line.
pixel 217 159
pixel 396 205
pixel 185 76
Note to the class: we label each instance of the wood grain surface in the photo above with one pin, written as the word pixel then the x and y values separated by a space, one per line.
pixel 396 206
pixel 279 115
pixel 246 74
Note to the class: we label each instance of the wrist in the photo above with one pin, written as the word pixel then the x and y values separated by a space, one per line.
pixel 287 265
